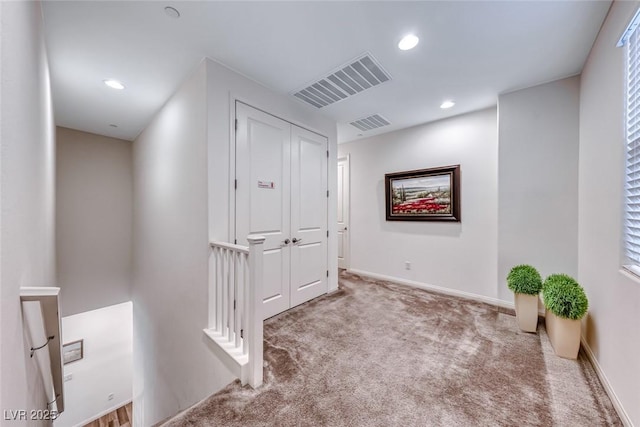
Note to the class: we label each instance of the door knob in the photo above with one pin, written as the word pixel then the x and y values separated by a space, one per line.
pixel 286 241
pixel 345 229
pixel 296 240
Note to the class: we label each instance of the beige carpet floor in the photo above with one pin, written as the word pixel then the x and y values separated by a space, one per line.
pixel 380 354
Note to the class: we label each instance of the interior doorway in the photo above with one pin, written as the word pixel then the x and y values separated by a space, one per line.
pixel 343 212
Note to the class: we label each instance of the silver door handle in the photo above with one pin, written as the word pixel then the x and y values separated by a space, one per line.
pixel 296 240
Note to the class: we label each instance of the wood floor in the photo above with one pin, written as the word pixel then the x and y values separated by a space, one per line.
pixel 121 417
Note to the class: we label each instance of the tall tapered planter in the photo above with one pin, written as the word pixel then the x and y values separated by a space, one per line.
pixel 525 282
pixel 564 335
pixel 566 304
pixel 526 311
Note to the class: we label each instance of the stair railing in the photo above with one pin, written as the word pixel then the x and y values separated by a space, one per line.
pixel 235 311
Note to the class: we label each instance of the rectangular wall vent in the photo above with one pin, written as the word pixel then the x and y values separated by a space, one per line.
pixel 372 122
pixel 346 81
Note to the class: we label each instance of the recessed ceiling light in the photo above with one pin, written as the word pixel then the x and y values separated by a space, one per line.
pixel 447 104
pixel 172 12
pixel 114 84
pixel 408 42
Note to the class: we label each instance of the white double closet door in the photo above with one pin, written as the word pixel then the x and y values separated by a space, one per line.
pixel 281 193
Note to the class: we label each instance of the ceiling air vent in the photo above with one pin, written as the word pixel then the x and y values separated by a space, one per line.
pixel 371 122
pixel 346 81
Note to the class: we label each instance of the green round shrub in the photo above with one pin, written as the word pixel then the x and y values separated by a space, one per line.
pixel 524 279
pixel 564 297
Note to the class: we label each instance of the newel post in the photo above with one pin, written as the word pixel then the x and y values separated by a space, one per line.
pixel 254 316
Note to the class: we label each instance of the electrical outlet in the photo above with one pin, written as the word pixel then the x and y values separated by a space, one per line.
pixel 110 397
pixel 407 265
pixel 68 377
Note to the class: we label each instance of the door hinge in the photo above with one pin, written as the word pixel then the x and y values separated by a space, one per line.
pixel 327 233
pixel 236 125
pixel 235 184
pixel 327 193
pixel 327 273
pixel 241 333
pixel 327 154
pixel 234 305
pixel 235 241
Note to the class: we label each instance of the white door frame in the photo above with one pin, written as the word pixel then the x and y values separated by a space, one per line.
pixel 346 196
pixel 233 176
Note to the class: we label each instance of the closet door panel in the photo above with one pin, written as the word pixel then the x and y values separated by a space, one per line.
pixel 263 197
pixel 308 215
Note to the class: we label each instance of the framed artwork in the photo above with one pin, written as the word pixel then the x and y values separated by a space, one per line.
pixel 423 195
pixel 72 351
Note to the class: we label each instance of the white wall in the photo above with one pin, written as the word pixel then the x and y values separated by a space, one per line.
pixel 27 194
pixel 173 366
pixel 538 179
pixel 181 200
pixel 105 368
pixel 459 256
pixel 612 330
pixel 94 209
pixel 225 86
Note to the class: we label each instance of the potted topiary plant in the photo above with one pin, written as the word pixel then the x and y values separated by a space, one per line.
pixel 526 283
pixel 566 304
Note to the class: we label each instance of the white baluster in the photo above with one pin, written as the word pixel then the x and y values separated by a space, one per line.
pixel 225 289
pixel 230 295
pixel 238 292
pixel 245 304
pixel 219 279
pixel 212 291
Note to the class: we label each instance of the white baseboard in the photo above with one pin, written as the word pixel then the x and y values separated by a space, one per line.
pixel 434 288
pixel 624 417
pixel 103 413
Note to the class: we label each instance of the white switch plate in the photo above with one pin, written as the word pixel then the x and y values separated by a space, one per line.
pixel 110 397
pixel 68 377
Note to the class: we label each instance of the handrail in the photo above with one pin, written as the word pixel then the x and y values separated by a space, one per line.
pixel 41 311
pixel 235 248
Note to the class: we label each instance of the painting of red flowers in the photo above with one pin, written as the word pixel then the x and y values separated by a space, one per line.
pixel 424 195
